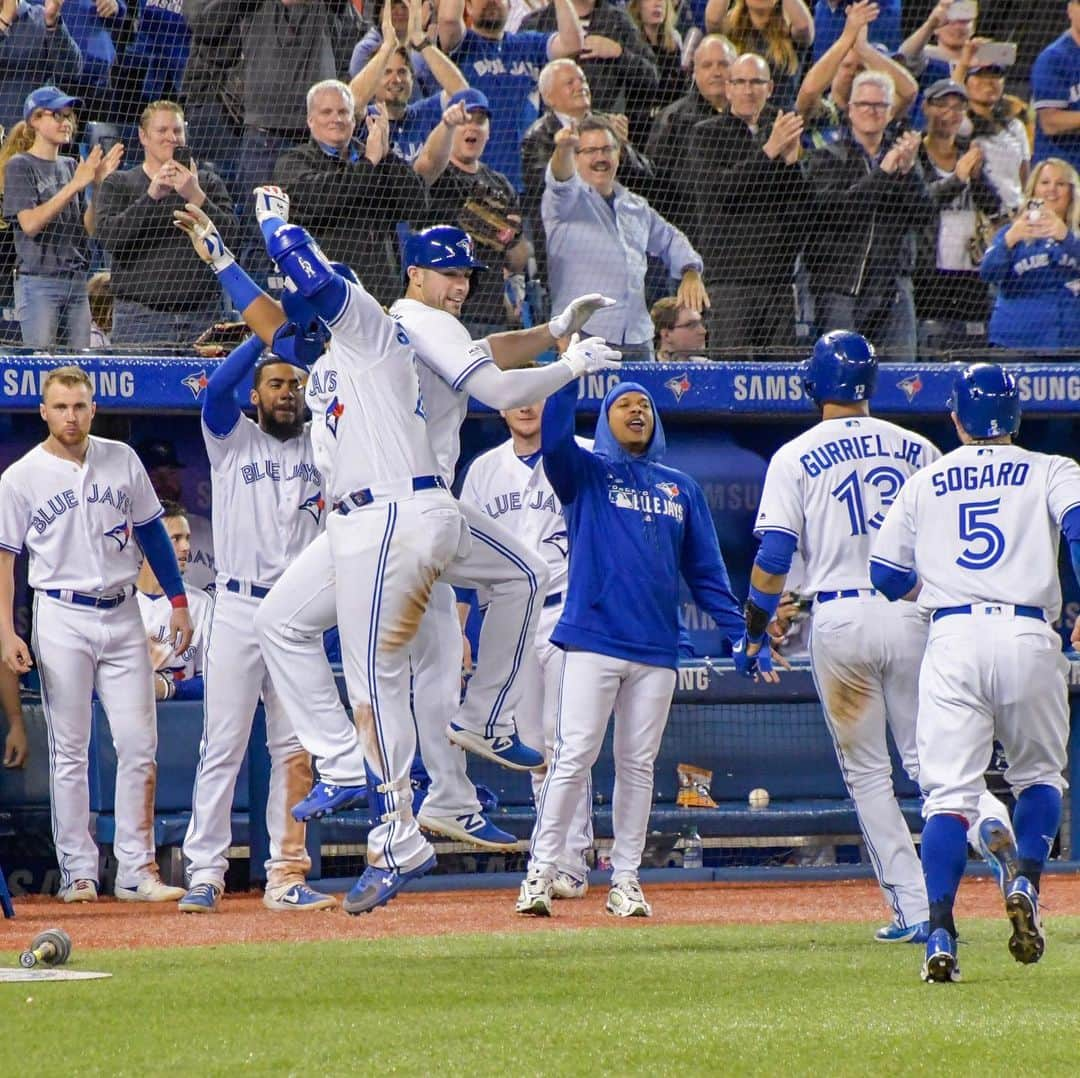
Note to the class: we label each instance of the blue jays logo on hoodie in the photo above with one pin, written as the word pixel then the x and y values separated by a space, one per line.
pixel 670 489
pixel 314 505
pixel 121 533
pixel 334 411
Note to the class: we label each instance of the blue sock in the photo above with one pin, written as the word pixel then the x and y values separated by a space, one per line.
pixel 944 855
pixel 1036 821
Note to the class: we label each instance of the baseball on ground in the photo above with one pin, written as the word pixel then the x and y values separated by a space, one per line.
pixel 759 798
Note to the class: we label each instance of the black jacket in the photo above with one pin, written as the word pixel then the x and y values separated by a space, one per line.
pixel 864 220
pixel 749 208
pixel 353 208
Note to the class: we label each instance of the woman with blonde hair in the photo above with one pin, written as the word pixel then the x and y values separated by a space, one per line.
pixel 655 21
pixel 1035 264
pixel 779 30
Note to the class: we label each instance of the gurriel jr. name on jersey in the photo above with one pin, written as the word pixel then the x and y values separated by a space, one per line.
pixel 861 447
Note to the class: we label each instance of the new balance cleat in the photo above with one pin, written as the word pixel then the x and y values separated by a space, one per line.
pixel 569 885
pixel 377 886
pixel 81 891
pixel 297 896
pixel 941 966
pixel 201 898
pixel 471 827
pixel 149 890
pixel 508 751
pixel 1027 942
pixel 325 799
pixel 534 896
pixel 897 933
pixel 625 899
pixel 998 850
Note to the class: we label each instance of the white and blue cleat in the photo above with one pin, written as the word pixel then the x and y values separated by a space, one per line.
pixel 297 896
pixel 201 898
pixel 898 933
pixel 377 886
pixel 325 799
pixel 472 827
pixel 1027 942
pixel 941 966
pixel 998 850
pixel 507 750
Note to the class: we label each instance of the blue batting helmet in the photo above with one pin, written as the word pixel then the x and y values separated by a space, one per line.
pixel 441 247
pixel 986 401
pixel 842 368
pixel 305 335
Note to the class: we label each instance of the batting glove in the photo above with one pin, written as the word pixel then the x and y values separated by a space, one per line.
pixel 217 254
pixel 271 202
pixel 577 313
pixel 750 666
pixel 590 355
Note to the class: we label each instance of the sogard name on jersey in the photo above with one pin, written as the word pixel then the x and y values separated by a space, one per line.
pixel 512 502
pixel 861 447
pixel 29 383
pixel 59 504
pixel 1005 473
pixel 645 501
pixel 271 469
pixel 767 387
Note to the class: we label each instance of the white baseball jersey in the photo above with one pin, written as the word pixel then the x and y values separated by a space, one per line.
pixel 375 431
pixel 830 488
pixel 507 489
pixel 200 572
pixel 982 525
pixel 267 500
pixel 448 356
pixel 156 611
pixel 77 520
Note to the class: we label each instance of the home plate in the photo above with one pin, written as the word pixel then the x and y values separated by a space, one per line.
pixel 50 975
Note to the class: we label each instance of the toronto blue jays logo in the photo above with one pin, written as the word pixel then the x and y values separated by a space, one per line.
pixel 314 505
pixel 196 383
pixel 560 541
pixel 678 385
pixel 911 386
pixel 121 533
pixel 334 411
pixel 670 489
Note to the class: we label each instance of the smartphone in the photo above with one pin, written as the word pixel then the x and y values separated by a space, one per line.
pixel 1034 208
pixel 107 142
pixel 995 54
pixel 962 11
pixel 182 155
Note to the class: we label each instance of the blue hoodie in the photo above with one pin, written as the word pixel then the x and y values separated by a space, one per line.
pixel 634 525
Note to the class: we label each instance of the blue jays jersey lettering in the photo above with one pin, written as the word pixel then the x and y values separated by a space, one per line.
pixel 1005 473
pixel 646 502
pixel 821 458
pixel 273 470
pixel 511 502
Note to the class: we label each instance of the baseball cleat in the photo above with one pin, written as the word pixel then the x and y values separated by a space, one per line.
pixel 998 850
pixel 201 898
pixel 297 896
pixel 149 890
pixel 569 885
pixel 471 827
pixel 534 896
pixel 625 899
pixel 81 891
pixel 377 886
pixel 941 966
pixel 508 751
pixel 897 933
pixel 1027 942
pixel 325 798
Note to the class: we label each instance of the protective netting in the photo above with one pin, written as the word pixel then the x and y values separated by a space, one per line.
pixel 787 189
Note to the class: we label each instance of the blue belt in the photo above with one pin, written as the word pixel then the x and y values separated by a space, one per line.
pixel 102 602
pixel 553 599
pixel 360 498
pixel 847 593
pixel 1021 611
pixel 240 587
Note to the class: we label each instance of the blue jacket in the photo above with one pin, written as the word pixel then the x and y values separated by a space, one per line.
pixel 1038 301
pixel 634 525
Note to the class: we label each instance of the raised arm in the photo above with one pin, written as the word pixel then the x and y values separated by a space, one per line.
pixel 450 24
pixel 716 13
pixel 518 347
pixel 434 155
pixel 220 411
pixel 801 22
pixel 366 80
pixel 564 459
pixel 570 38
pixel 816 82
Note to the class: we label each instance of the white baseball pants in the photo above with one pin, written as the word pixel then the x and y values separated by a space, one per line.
pixel 986 676
pixel 235 677
pixel 592 687
pixel 79 649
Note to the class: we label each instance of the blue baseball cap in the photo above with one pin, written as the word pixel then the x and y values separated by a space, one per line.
pixel 473 99
pixel 48 97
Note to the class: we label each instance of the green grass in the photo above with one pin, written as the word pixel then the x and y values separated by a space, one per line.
pixel 631 999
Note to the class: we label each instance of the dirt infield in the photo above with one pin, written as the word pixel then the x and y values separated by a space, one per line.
pixel 242 918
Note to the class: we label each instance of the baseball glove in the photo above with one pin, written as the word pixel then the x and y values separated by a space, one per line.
pixel 491 219
pixel 221 338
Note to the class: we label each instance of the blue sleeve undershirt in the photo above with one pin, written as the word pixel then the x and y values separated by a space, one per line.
pixel 158 548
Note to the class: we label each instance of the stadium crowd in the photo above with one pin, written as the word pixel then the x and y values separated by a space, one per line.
pixel 755 172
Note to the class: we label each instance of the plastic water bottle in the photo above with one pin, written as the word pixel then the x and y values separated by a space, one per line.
pixel 693 850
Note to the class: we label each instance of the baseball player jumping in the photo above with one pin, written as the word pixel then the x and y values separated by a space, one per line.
pixel 634 525
pixel 975 536
pixel 84 508
pixel 826 493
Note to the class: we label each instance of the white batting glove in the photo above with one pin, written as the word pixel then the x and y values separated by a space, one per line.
pixel 577 313
pixel 590 355
pixel 271 202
